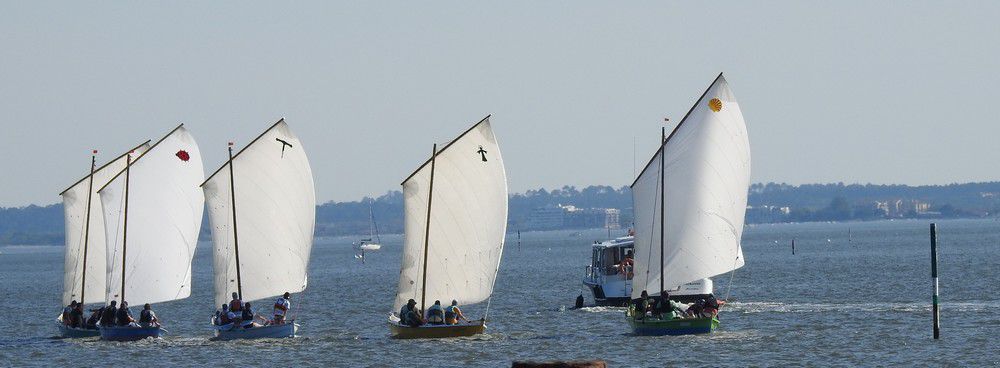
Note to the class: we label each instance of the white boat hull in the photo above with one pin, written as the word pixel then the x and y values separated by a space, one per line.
pixel 283 330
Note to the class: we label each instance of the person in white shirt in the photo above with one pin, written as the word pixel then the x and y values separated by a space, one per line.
pixel 281 307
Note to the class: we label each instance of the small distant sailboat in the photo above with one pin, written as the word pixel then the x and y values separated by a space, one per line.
pixel 85 263
pixel 373 242
pixel 455 223
pixel 262 206
pixel 152 216
pixel 690 201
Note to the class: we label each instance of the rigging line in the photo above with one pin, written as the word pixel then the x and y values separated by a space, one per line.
pixel 76 265
pixel 494 284
pixel 732 274
pixel 114 255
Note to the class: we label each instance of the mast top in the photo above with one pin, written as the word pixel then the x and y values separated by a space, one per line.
pixel 102 166
pixel 676 128
pixel 282 120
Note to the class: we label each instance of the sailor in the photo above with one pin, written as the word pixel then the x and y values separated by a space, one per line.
pixel 147 318
pixel 644 304
pixel 412 317
pixel 435 314
pixel 663 308
pixel 452 314
pixel 76 316
pixel 95 317
pixel 224 314
pixel 696 308
pixel 712 306
pixel 108 316
pixel 247 316
pixel 281 307
pixel 405 312
pixel 406 309
pixel 124 315
pixel 67 313
pixel 236 305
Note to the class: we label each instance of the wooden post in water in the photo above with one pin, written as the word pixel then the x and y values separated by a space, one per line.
pixel 519 240
pixel 934 275
pixel 793 246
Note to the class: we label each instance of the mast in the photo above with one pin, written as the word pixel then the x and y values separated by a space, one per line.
pixel 427 231
pixel 371 220
pixel 236 241
pixel 128 165
pixel 663 141
pixel 86 226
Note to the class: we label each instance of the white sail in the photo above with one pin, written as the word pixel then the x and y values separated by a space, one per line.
pixel 275 217
pixel 468 221
pixel 706 177
pixel 77 233
pixel 165 208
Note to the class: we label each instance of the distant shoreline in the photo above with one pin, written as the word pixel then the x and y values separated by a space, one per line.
pixel 600 206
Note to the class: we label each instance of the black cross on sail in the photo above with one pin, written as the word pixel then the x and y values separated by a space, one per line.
pixel 482 153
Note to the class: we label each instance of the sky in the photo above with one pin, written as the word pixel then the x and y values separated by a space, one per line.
pixel 849 91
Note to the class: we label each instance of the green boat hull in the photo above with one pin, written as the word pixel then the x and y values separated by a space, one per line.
pixel 652 326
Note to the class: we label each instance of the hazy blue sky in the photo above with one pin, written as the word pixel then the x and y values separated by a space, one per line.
pixel 895 92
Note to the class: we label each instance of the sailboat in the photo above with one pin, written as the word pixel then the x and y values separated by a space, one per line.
pixel 374 241
pixel 455 221
pixel 262 206
pixel 152 216
pixel 84 263
pixel 689 203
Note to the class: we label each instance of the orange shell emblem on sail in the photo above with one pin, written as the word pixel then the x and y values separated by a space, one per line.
pixel 715 104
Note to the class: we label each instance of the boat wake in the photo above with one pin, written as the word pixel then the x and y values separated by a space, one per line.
pixel 599 309
pixel 777 307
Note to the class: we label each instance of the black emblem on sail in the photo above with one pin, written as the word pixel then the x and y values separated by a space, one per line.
pixel 283 145
pixel 482 153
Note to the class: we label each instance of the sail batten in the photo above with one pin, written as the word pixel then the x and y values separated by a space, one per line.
pixel 276 215
pixel 706 174
pixel 75 200
pixel 164 218
pixel 468 221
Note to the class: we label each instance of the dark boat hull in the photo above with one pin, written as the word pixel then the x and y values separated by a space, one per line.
pixel 437 331
pixel 128 333
pixel 70 332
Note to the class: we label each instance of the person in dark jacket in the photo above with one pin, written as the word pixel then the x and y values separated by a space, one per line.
pixel 94 318
pixel 108 318
pixel 124 316
pixel 247 316
pixel 67 312
pixel 76 316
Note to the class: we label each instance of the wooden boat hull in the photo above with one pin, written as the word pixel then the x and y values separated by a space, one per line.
pixel 678 326
pixel 437 331
pixel 70 332
pixel 128 333
pixel 283 330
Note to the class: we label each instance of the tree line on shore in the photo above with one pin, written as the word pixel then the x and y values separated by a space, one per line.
pixel 770 202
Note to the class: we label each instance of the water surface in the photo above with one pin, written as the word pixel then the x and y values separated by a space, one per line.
pixel 862 299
